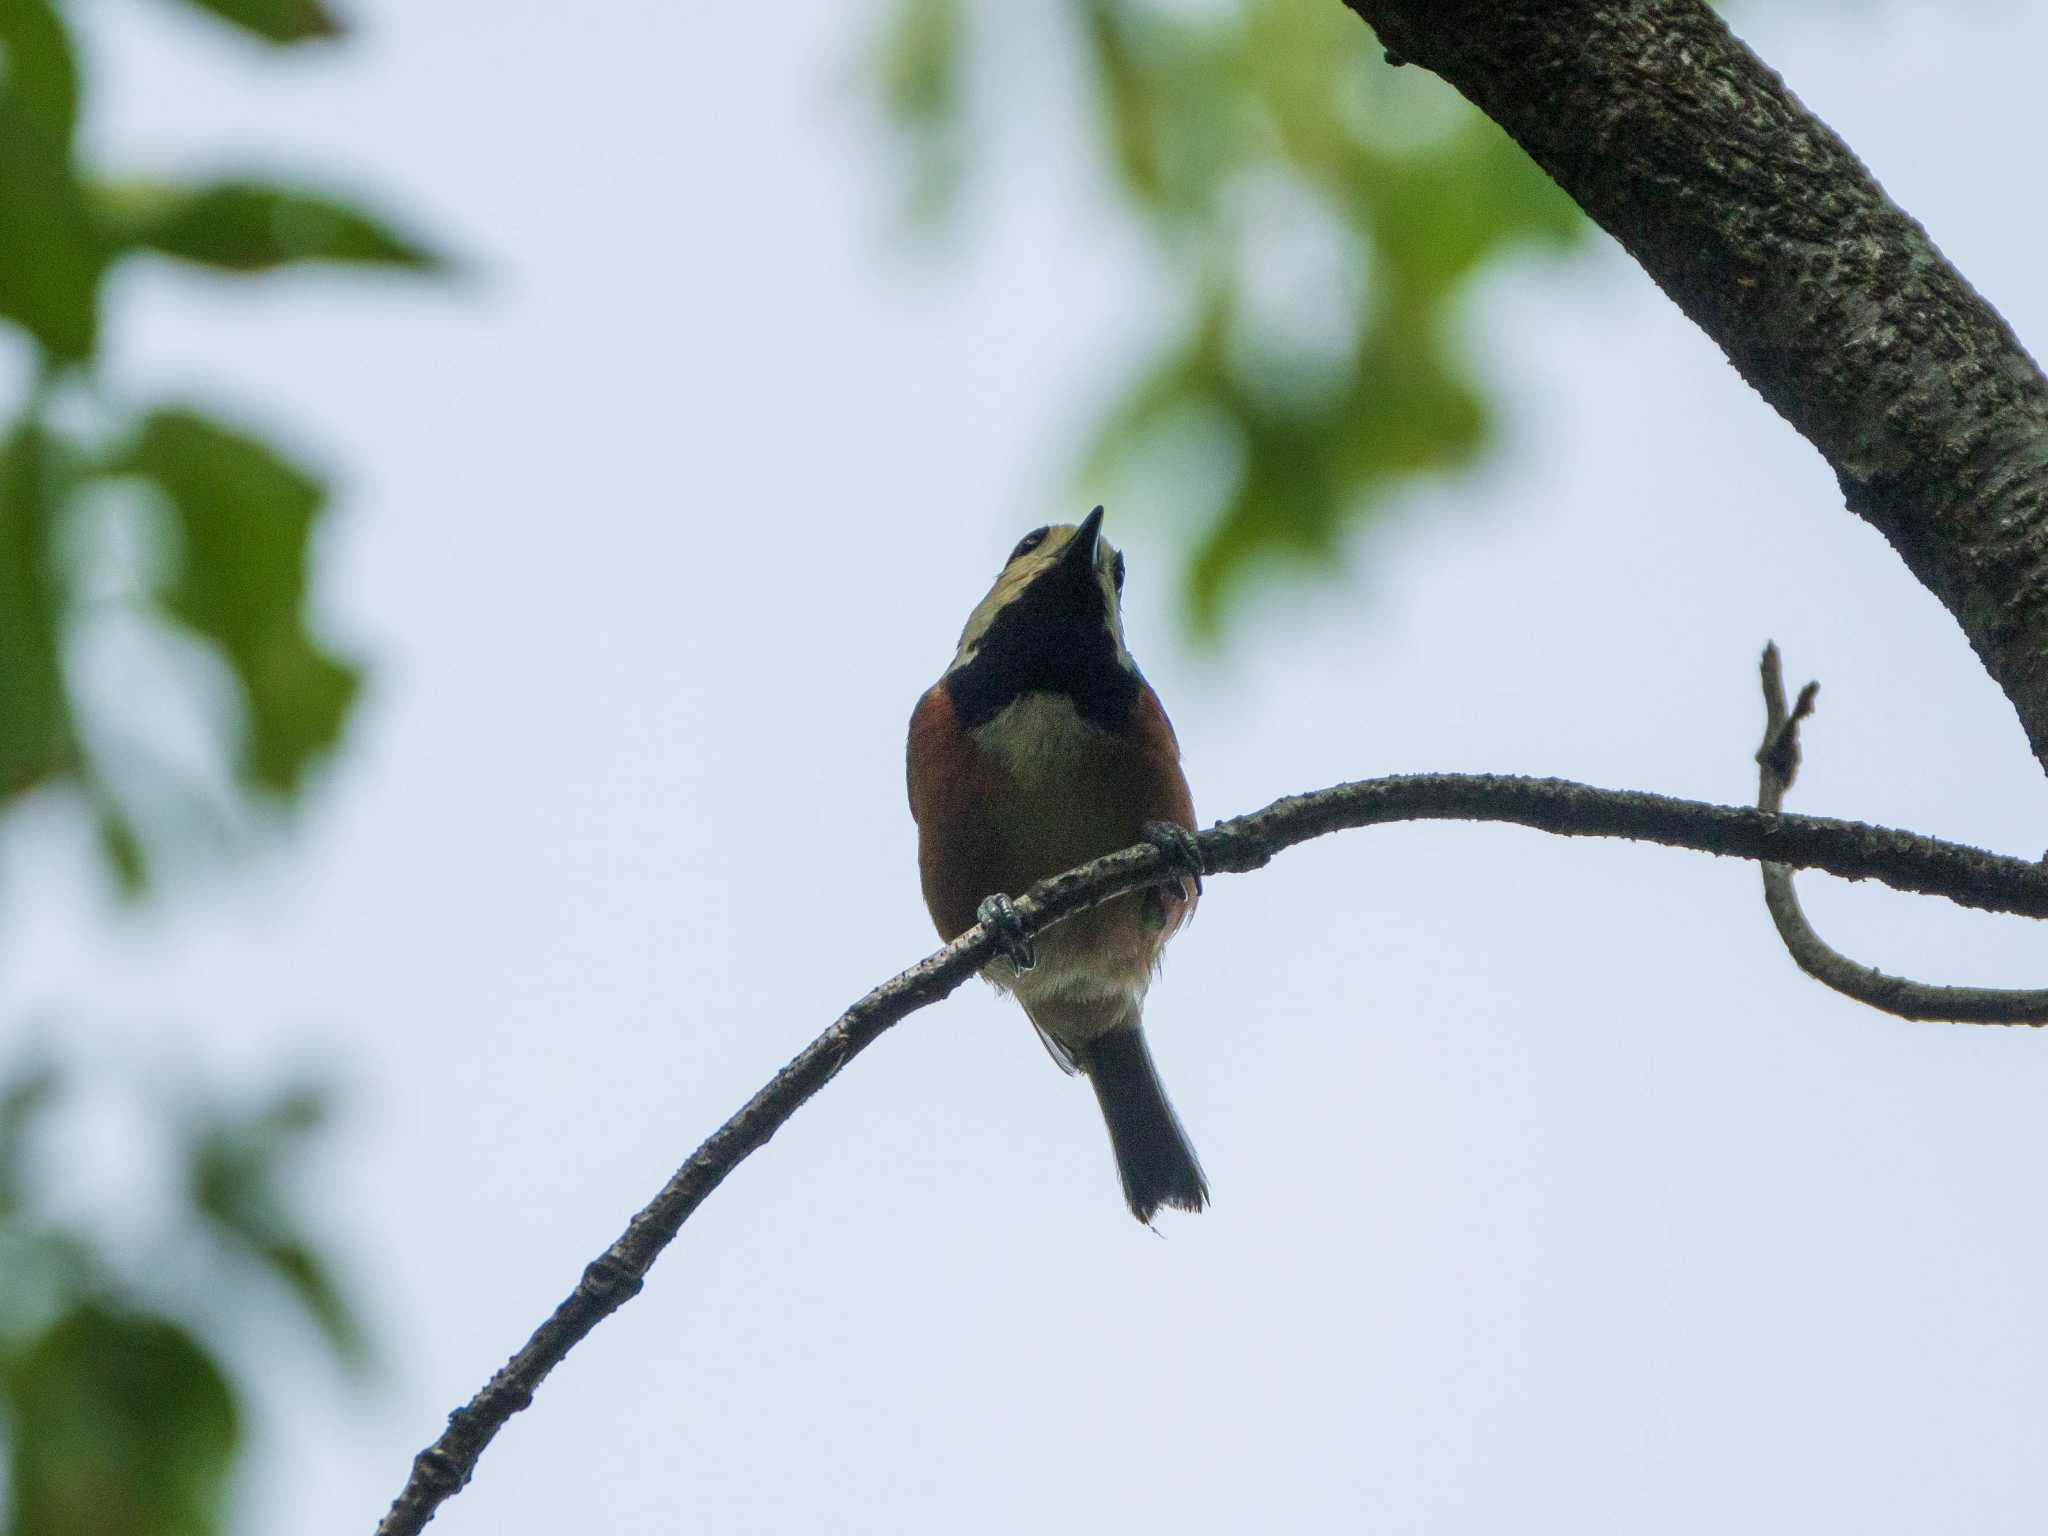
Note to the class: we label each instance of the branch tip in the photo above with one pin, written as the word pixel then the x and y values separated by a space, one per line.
pixel 1778 762
pixel 1778 754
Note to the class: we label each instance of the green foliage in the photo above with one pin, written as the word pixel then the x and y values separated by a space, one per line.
pixel 35 723
pixel 246 226
pixel 242 514
pixel 23 1098
pixel 236 1171
pixel 51 257
pixel 42 76
pixel 276 21
pixel 122 1426
pixel 919 65
pixel 121 1419
pixel 1350 384
pixel 119 1414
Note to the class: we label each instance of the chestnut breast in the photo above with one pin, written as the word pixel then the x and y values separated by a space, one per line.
pixel 1031 791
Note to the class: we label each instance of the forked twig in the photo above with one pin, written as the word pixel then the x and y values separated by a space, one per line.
pixel 1777 762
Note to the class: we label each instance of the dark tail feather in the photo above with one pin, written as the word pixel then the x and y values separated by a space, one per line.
pixel 1152 1151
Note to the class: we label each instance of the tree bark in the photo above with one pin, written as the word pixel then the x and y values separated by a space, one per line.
pixel 1763 227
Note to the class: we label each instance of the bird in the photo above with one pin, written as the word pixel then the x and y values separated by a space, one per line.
pixel 1041 747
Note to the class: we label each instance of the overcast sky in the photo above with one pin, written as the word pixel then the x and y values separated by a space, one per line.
pixel 1548 1195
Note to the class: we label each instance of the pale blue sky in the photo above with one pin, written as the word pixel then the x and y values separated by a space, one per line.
pixel 1548 1196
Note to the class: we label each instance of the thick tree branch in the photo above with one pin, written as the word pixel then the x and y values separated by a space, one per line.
pixel 1904 860
pixel 1764 228
pixel 1777 762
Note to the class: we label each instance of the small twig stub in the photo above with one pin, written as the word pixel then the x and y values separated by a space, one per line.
pixel 1778 764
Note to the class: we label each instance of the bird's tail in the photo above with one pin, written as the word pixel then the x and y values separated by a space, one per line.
pixel 1152 1151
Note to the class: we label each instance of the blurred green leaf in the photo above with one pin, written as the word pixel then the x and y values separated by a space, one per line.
pixel 236 1167
pixel 35 720
pixel 1130 100
pixel 121 842
pixel 1191 371
pixel 246 514
pixel 276 21
pixel 311 1282
pixel 920 62
pixel 1422 213
pixel 1436 213
pixel 1171 105
pixel 1301 63
pixel 24 1096
pixel 249 226
pixel 1205 111
pixel 115 1421
pixel 51 257
pixel 121 1425
pixel 1307 478
pixel 41 74
pixel 43 1270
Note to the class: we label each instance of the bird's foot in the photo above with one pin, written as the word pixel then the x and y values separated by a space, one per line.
pixel 1184 863
pixel 999 915
pixel 1182 849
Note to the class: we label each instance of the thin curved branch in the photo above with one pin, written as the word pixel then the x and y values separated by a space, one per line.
pixel 1765 229
pixel 1904 860
pixel 1777 763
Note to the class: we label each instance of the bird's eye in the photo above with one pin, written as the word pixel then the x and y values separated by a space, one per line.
pixel 1116 571
pixel 1028 543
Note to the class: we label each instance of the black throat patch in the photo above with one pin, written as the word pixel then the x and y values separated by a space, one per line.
pixel 1050 639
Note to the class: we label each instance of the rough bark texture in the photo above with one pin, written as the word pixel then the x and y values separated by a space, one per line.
pixel 1761 225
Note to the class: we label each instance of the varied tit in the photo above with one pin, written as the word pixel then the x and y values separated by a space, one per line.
pixel 1041 748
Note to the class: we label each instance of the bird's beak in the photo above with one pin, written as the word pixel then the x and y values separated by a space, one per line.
pixel 1079 555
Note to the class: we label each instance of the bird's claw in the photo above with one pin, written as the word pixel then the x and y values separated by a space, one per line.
pixel 1183 850
pixel 1005 924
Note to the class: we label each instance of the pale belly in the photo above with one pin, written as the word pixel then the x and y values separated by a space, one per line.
pixel 1066 799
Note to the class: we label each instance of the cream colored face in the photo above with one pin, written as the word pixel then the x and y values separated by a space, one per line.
pixel 1025 569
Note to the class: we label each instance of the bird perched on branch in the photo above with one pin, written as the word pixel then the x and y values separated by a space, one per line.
pixel 1041 748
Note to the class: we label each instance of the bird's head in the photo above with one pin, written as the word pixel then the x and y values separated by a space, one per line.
pixel 1052 623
